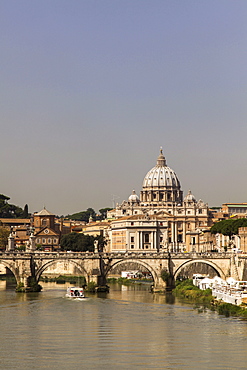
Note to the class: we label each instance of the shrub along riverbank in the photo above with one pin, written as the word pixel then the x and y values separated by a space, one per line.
pixel 125 281
pixel 62 279
pixel 204 298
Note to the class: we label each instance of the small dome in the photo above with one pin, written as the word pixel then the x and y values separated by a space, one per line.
pixel 190 197
pixel 134 197
pixel 161 175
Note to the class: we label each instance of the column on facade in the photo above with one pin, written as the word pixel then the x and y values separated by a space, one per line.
pixel 141 240
pixel 238 242
pixel 127 241
pixel 172 230
pixel 137 239
pixel 218 241
pixel 175 232
pixel 184 232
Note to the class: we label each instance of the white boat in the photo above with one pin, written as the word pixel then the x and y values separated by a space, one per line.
pixel 75 292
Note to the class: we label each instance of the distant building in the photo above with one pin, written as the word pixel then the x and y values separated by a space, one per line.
pixel 242 232
pixel 47 234
pixel 232 209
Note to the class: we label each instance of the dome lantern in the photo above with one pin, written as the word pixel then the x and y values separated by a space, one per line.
pixel 161 161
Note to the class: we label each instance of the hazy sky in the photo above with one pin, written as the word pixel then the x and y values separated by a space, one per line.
pixel 90 90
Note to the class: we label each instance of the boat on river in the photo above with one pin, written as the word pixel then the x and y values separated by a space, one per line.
pixel 75 293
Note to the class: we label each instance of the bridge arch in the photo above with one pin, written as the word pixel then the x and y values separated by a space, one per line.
pixel 217 269
pixel 12 269
pixel 49 263
pixel 137 261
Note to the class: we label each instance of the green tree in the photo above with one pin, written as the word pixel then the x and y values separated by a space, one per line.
pixel 228 227
pixel 103 212
pixel 83 215
pixel 101 241
pixel 9 210
pixel 25 212
pixel 4 234
pixel 77 242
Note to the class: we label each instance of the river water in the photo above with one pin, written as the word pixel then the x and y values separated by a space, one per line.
pixel 129 328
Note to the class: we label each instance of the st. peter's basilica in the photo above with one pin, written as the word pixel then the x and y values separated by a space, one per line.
pixel 161 218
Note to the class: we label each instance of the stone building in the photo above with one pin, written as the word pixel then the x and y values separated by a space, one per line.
pixel 161 218
pixel 46 232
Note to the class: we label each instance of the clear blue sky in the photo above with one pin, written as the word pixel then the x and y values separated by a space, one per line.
pixel 90 90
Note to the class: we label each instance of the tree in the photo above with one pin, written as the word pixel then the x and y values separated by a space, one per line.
pixel 9 210
pixel 25 212
pixel 83 215
pixel 4 234
pixel 228 227
pixel 103 212
pixel 101 241
pixel 77 242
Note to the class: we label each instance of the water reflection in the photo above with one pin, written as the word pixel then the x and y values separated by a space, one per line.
pixel 129 328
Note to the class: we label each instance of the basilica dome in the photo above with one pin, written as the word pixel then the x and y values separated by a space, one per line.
pixel 161 175
pixel 161 184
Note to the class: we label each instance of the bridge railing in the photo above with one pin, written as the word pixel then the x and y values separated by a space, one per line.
pixel 122 255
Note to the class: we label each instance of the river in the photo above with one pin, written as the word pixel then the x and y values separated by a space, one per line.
pixel 129 328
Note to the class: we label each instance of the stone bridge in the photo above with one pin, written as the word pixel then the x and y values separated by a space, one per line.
pixel 96 266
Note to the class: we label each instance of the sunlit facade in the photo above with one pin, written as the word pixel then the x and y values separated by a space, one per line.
pixel 160 219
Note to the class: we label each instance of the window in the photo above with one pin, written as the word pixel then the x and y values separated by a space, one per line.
pixel 132 223
pixel 43 241
pixel 132 239
pixel 146 238
pixel 132 246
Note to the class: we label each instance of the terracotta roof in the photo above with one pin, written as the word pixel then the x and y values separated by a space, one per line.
pixel 15 220
pixel 44 212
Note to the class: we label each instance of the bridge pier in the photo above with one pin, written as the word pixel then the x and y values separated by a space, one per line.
pixel 28 284
pixel 159 286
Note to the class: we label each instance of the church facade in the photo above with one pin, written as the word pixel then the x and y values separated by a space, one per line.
pixel 161 218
